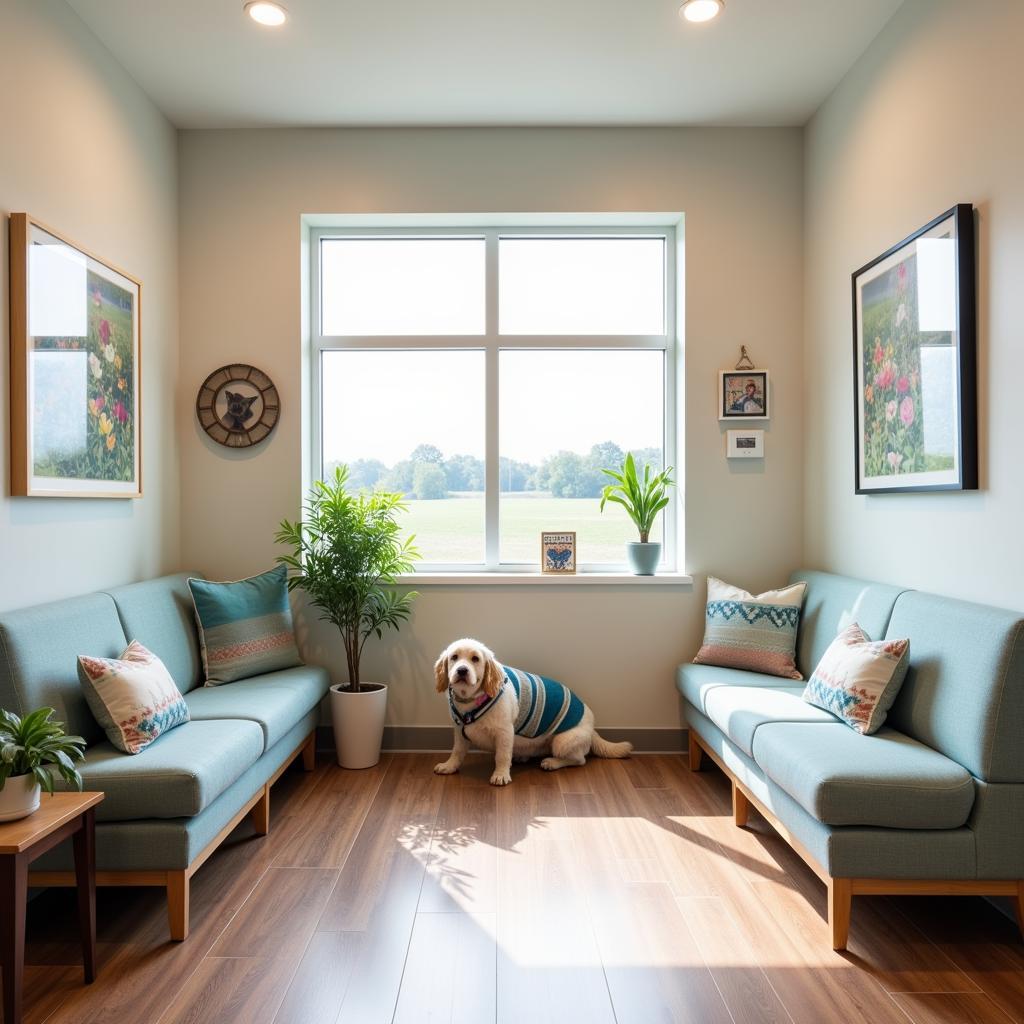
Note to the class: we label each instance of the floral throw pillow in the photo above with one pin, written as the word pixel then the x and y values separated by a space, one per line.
pixel 858 678
pixel 752 632
pixel 133 697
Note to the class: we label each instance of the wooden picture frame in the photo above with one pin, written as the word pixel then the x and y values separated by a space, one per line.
pixel 743 395
pixel 558 552
pixel 76 375
pixel 915 362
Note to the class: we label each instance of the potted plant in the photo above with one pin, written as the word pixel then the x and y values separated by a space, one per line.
pixel 345 554
pixel 643 499
pixel 31 749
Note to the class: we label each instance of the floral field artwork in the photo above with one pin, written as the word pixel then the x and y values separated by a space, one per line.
pixel 907 378
pixel 83 414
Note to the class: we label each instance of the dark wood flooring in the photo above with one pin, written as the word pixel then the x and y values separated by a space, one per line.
pixel 616 893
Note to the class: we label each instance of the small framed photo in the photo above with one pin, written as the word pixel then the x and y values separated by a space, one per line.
pixel 558 553
pixel 744 444
pixel 743 395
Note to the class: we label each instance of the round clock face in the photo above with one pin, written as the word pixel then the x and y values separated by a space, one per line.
pixel 238 405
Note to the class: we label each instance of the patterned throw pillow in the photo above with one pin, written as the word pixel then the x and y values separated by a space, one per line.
pixel 245 628
pixel 133 697
pixel 858 678
pixel 755 633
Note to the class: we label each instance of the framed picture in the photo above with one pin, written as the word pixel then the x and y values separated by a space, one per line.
pixel 915 404
pixel 744 444
pixel 743 395
pixel 75 377
pixel 558 552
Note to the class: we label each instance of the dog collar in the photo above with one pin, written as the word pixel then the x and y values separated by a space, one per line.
pixel 480 708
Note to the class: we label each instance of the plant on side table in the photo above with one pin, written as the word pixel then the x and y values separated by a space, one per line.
pixel 346 553
pixel 643 498
pixel 31 750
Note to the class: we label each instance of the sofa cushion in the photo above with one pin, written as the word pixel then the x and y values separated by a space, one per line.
pixel 831 604
pixel 964 691
pixel 39 649
pixel 756 632
pixel 133 697
pixel 159 614
pixel 245 627
pixel 275 701
pixel 842 778
pixel 739 711
pixel 177 776
pixel 694 682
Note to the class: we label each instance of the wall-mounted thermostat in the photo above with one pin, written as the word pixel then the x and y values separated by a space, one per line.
pixel 744 444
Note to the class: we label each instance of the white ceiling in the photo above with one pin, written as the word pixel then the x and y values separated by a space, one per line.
pixel 486 62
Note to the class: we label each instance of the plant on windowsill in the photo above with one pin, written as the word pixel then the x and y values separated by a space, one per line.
pixel 31 750
pixel 643 498
pixel 346 553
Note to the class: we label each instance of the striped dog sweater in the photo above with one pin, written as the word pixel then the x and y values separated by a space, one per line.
pixel 546 707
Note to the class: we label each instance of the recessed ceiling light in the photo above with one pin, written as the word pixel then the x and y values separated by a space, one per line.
pixel 266 13
pixel 701 10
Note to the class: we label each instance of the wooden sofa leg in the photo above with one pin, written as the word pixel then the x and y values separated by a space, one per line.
pixel 260 814
pixel 740 807
pixel 177 904
pixel 696 754
pixel 1019 906
pixel 309 753
pixel 840 898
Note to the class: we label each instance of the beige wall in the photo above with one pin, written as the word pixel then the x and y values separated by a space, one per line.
pixel 85 151
pixel 930 116
pixel 242 196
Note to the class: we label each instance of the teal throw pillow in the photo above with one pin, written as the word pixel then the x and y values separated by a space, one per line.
pixel 245 628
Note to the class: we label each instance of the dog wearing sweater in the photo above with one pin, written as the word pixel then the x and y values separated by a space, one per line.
pixel 514 713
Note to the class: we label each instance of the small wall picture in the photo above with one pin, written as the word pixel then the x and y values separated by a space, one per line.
pixel 558 552
pixel 743 395
pixel 744 444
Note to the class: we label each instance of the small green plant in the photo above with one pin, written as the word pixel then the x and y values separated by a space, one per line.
pixel 35 746
pixel 642 499
pixel 346 553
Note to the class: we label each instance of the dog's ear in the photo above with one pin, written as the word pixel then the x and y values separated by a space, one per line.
pixel 441 672
pixel 494 675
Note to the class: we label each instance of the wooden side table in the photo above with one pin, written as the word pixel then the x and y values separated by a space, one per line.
pixel 59 816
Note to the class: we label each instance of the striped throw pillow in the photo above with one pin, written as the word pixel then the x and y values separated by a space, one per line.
pixel 858 678
pixel 245 628
pixel 755 633
pixel 133 697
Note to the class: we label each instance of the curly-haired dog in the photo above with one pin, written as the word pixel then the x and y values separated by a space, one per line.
pixel 515 714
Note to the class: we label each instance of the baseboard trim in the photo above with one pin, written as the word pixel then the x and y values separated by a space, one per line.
pixel 416 738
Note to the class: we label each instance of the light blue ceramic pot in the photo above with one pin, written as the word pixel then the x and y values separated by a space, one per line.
pixel 643 558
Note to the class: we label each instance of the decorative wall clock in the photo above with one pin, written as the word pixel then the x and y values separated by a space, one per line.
pixel 238 405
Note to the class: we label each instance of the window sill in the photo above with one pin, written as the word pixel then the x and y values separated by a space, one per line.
pixel 502 579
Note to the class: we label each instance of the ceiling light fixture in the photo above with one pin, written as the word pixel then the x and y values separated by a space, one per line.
pixel 701 10
pixel 266 13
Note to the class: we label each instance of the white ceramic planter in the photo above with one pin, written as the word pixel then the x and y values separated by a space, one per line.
pixel 644 558
pixel 358 720
pixel 19 797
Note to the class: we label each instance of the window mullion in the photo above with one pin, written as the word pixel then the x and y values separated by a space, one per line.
pixel 492 470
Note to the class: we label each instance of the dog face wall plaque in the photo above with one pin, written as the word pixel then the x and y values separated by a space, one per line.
pixel 238 406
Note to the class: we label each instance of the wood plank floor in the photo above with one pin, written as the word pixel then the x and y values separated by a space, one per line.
pixel 616 893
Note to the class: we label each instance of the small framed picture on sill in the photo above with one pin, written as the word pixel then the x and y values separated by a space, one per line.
pixel 558 553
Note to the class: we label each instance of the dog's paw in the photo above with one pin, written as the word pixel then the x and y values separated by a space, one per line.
pixel 551 764
pixel 500 778
pixel 445 768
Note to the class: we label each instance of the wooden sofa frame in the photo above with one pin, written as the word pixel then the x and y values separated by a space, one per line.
pixel 177 882
pixel 842 890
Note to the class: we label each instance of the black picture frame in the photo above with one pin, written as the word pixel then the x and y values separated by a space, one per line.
pixel 915 380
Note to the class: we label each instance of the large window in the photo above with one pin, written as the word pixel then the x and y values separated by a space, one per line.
pixel 490 374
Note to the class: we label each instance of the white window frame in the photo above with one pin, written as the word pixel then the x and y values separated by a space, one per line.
pixel 491 343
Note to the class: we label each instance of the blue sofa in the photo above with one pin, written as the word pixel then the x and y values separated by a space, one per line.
pixel 933 802
pixel 169 807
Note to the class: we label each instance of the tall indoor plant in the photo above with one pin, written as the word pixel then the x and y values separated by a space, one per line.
pixel 346 552
pixel 643 498
pixel 31 750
